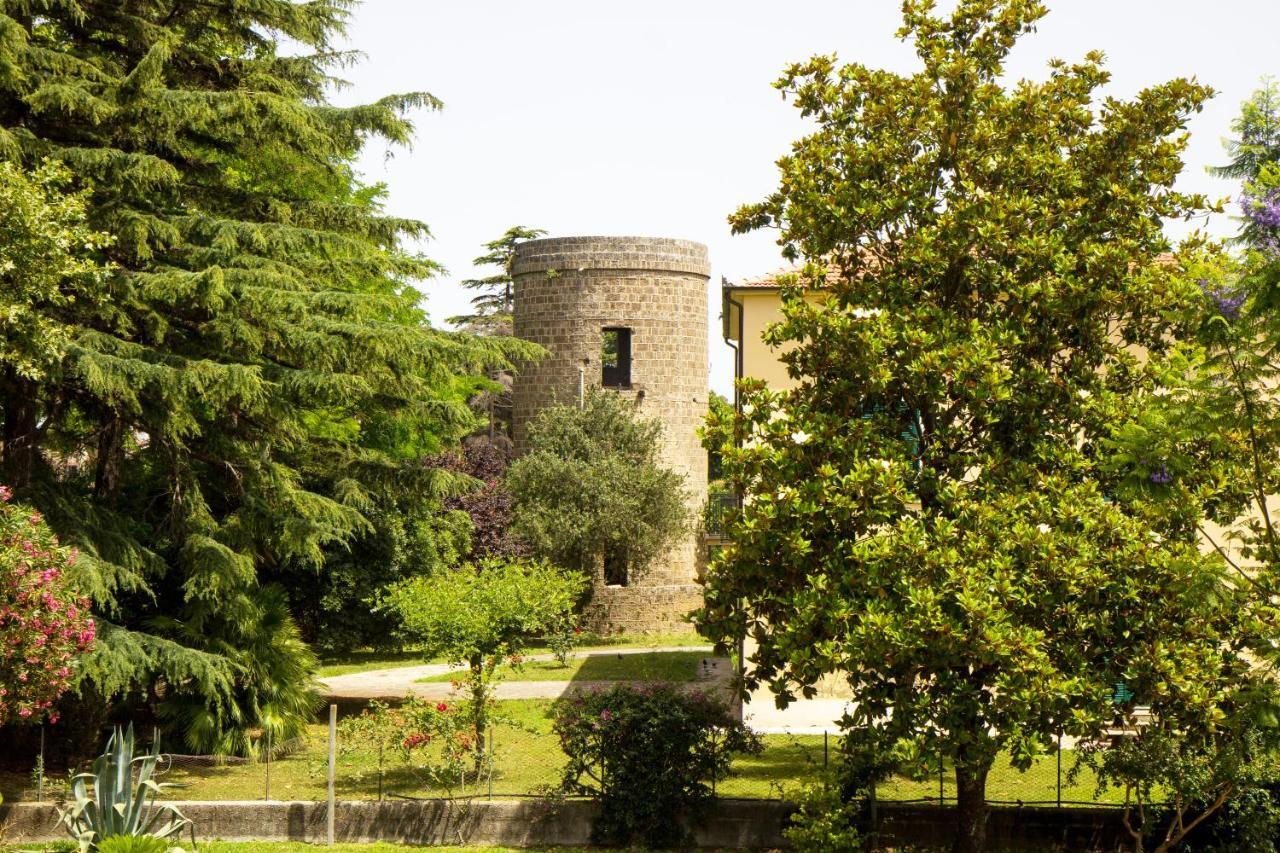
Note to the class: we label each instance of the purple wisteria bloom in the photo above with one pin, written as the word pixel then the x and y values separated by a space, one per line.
pixel 1262 210
pixel 1161 476
pixel 1228 300
pixel 1263 213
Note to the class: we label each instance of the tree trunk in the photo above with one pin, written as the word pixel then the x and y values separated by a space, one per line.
pixel 20 433
pixel 971 808
pixel 106 480
pixel 479 698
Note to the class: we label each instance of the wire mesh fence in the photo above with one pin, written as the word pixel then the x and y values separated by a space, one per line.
pixel 525 760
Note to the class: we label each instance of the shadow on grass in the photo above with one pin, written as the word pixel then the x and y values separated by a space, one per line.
pixel 651 666
pixel 786 761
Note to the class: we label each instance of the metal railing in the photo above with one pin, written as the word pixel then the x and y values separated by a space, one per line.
pixel 719 506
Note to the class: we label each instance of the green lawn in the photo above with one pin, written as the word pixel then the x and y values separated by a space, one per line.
pixel 364 660
pixel 291 847
pixel 649 666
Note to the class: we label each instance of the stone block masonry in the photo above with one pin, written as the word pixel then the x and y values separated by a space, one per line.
pixel 568 291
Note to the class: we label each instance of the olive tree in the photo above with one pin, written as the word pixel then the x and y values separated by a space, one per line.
pixel 591 487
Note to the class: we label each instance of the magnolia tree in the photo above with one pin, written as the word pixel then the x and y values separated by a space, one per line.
pixel 934 510
pixel 44 625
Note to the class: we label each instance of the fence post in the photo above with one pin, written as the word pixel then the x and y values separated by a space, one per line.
pixel 826 761
pixel 942 796
pixel 875 780
pixel 333 757
pixel 266 789
pixel 1059 769
pixel 40 769
pixel 380 745
pixel 490 756
pixel 714 759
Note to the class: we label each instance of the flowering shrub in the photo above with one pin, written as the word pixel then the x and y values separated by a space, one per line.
pixel 44 626
pixel 650 755
pixel 432 739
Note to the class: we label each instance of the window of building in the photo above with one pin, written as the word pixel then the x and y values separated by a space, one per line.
pixel 615 359
pixel 615 568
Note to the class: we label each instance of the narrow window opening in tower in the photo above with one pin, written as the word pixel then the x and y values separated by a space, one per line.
pixel 615 358
pixel 615 568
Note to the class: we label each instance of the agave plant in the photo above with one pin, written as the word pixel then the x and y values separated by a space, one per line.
pixel 135 844
pixel 119 806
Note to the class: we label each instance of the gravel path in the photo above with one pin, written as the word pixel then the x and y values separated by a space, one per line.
pixel 395 683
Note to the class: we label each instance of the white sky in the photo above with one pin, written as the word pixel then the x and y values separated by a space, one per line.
pixel 658 118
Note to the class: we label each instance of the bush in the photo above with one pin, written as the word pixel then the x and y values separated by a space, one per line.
pixel 823 820
pixel 649 755
pixel 44 626
pixel 1250 820
pixel 433 739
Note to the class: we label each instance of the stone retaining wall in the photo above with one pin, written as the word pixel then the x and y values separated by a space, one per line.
pixel 527 823
pixel 732 824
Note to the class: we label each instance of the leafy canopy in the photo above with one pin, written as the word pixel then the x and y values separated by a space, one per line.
pixel 491 608
pixel 1206 452
pixel 482 615
pixel 932 511
pixel 47 262
pixel 591 486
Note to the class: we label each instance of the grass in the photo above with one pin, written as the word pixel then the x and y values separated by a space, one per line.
pixel 366 660
pixel 528 758
pixel 288 847
pixel 648 666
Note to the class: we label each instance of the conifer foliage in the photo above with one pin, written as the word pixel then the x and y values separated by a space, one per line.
pixel 256 367
pixel 496 300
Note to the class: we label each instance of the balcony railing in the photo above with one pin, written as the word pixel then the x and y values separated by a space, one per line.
pixel 719 506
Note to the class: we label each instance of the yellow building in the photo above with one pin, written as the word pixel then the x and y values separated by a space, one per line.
pixel 748 308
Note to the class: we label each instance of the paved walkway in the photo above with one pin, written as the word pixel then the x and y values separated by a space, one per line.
pixel 397 682
pixel 801 717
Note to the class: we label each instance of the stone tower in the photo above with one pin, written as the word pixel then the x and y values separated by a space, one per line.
pixel 628 314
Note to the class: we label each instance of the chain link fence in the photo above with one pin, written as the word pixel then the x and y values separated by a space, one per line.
pixel 526 761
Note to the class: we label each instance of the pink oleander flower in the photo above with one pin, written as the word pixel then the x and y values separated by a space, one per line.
pixel 44 623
